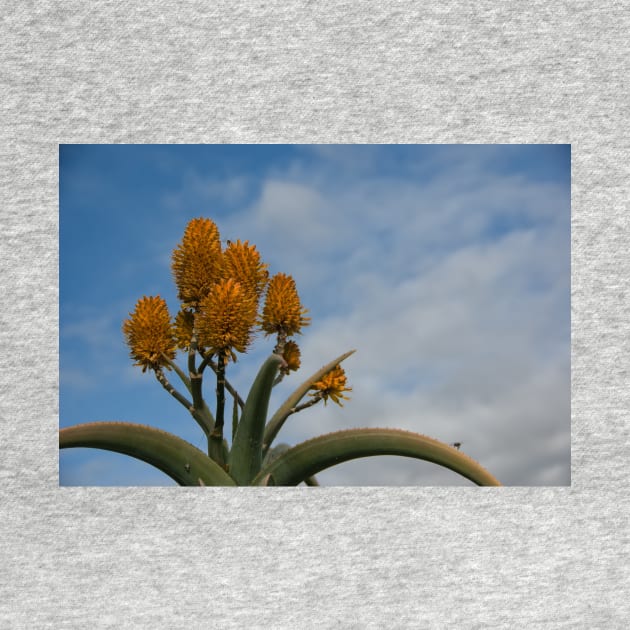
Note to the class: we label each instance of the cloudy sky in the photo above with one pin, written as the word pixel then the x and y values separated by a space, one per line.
pixel 447 267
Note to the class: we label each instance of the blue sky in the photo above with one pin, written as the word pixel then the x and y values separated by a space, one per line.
pixel 446 266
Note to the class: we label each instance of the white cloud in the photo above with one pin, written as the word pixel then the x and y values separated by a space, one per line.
pixel 290 213
pixel 455 294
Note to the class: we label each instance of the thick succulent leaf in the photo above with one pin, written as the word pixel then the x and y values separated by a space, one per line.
pixel 309 458
pixel 180 460
pixel 246 455
pixel 284 411
pixel 275 452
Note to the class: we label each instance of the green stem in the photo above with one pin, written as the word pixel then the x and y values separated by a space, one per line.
pixel 199 409
pixel 196 381
pixel 228 386
pixel 281 341
pixel 215 444
pixel 206 360
pixel 199 413
pixel 164 382
pixel 192 352
pixel 220 416
pixel 178 371
pixel 306 405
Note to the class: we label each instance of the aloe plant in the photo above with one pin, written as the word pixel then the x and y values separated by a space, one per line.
pixel 221 290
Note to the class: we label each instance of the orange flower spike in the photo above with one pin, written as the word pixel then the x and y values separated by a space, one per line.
pixel 226 318
pixel 150 334
pixel 241 261
pixel 283 312
pixel 183 329
pixel 196 261
pixel 332 386
pixel 291 355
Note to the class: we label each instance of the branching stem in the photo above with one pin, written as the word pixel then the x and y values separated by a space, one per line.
pixel 192 351
pixel 178 371
pixel 220 416
pixel 228 386
pixel 164 382
pixel 206 361
pixel 281 341
pixel 306 405
pixel 199 414
pixel 216 445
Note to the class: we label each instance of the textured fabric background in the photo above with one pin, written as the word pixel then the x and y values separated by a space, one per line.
pixel 352 72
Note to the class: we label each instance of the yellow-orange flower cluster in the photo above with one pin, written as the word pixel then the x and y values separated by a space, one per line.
pixel 291 355
pixel 283 312
pixel 149 333
pixel 241 261
pixel 196 261
pixel 332 386
pixel 183 328
pixel 220 291
pixel 226 318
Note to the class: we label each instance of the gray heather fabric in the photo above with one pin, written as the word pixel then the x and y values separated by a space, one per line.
pixel 353 72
